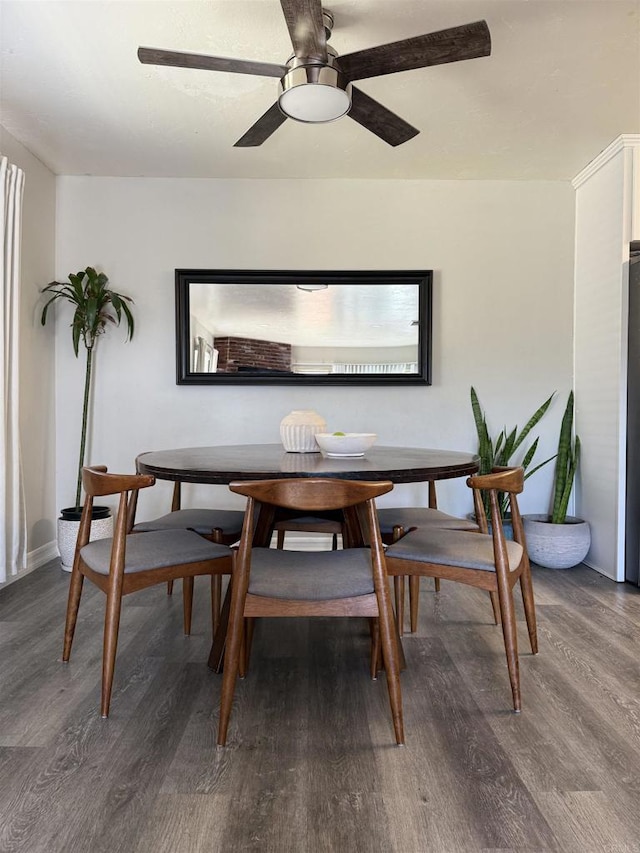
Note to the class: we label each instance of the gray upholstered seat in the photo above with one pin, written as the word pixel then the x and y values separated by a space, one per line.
pixel 153 550
pixel 201 520
pixel 311 575
pixel 452 548
pixel 420 516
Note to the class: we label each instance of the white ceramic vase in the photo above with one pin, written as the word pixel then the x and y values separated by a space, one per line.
pixel 298 431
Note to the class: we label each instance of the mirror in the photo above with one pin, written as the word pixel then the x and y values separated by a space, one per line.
pixel 303 328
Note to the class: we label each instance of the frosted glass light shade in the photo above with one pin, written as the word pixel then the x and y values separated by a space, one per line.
pixel 314 94
pixel 314 103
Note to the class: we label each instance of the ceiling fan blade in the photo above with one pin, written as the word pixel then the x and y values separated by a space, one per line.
pixel 306 28
pixel 453 45
pixel 379 120
pixel 263 128
pixel 157 56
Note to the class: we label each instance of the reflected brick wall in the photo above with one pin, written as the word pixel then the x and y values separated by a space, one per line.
pixel 237 353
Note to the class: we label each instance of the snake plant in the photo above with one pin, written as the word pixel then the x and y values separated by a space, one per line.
pixel 95 306
pixel 501 451
pixel 566 465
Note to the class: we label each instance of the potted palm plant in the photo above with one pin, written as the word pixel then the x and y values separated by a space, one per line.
pixel 95 306
pixel 557 540
pixel 507 446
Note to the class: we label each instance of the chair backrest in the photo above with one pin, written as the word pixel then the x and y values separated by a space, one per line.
pixel 98 483
pixel 501 481
pixel 317 494
pixel 176 500
pixel 312 493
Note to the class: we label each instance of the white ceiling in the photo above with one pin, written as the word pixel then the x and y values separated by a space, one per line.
pixel 562 82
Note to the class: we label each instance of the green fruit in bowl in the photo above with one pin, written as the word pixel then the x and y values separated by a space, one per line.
pixel 338 433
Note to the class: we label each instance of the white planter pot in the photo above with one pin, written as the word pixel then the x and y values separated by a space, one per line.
pixel 101 528
pixel 556 546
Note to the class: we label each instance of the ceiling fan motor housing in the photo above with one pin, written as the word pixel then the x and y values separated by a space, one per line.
pixel 327 23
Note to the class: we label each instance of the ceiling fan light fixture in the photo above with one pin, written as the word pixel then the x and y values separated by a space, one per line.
pixel 314 94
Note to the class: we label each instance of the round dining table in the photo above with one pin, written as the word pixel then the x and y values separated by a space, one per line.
pixel 226 463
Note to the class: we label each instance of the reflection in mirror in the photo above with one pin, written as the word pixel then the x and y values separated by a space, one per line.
pixel 205 357
pixel 303 328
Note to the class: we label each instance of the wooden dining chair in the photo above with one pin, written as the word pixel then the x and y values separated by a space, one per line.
pixel 489 562
pixel 126 563
pixel 222 526
pixel 345 582
pixel 396 522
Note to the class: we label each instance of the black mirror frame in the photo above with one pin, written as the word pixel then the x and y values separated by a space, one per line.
pixel 184 277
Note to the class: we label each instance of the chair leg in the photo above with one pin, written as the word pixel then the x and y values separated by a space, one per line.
pixel 399 593
pixel 247 641
pixel 110 645
pixel 374 627
pixel 217 536
pixel 216 601
pixel 242 659
pixel 526 588
pixel 414 601
pixel 334 542
pixel 391 659
pixel 169 587
pixel 233 650
pixel 508 618
pixel 280 540
pixel 187 603
pixel 495 604
pixel 73 604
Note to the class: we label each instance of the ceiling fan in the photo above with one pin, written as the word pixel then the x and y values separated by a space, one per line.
pixel 316 85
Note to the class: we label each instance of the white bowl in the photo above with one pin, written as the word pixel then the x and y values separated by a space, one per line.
pixel 349 444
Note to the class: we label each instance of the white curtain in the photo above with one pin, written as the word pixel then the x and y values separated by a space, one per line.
pixel 13 534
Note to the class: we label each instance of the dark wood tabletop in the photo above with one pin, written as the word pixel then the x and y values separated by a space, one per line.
pixel 224 464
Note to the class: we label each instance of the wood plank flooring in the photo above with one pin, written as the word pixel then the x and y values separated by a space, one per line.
pixel 311 763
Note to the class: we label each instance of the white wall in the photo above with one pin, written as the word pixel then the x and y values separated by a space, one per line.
pixel 604 222
pixel 37 425
pixel 502 255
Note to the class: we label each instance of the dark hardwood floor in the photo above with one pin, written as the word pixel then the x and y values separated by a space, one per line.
pixel 311 763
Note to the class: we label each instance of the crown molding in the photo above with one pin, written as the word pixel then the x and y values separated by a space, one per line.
pixel 625 140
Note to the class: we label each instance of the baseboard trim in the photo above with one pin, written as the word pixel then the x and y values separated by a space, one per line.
pixel 602 571
pixel 36 558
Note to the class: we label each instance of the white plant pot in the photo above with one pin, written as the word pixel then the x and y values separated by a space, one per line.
pixel 556 546
pixel 101 528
